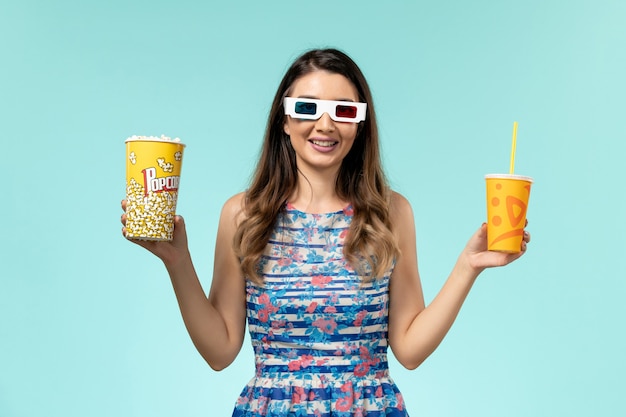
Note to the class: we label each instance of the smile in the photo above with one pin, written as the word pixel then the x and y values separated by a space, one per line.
pixel 324 143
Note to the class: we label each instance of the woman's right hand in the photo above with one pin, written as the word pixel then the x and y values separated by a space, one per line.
pixel 170 252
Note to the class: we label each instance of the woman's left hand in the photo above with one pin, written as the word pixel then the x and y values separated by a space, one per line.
pixel 480 258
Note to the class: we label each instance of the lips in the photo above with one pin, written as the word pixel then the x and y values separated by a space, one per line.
pixel 323 145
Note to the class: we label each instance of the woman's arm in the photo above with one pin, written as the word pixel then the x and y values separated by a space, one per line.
pixel 216 324
pixel 415 331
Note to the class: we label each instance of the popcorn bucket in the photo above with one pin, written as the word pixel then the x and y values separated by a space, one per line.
pixel 153 166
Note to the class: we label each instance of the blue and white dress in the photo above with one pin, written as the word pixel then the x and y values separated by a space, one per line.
pixel 319 333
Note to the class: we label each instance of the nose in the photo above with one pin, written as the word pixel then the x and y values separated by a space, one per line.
pixel 325 123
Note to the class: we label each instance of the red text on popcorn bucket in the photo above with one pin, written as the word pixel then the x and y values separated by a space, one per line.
pixel 154 184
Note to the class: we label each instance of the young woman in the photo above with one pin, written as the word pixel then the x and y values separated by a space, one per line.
pixel 319 257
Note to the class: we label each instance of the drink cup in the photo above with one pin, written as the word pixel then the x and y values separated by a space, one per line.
pixel 507 202
pixel 153 166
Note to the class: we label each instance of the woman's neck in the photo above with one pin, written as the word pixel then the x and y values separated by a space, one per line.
pixel 317 193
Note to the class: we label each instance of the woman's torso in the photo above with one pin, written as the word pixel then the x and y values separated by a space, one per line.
pixel 319 332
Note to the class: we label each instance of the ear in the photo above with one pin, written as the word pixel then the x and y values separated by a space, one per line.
pixel 360 127
pixel 286 126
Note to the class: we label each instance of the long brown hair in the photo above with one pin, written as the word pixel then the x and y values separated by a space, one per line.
pixel 370 244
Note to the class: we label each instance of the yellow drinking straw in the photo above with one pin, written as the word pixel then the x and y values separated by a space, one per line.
pixel 513 148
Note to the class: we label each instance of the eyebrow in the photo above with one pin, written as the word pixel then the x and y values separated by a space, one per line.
pixel 316 98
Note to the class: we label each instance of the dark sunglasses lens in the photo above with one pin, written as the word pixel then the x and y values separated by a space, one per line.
pixel 346 111
pixel 303 107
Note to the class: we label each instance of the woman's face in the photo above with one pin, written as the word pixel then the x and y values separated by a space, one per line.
pixel 322 144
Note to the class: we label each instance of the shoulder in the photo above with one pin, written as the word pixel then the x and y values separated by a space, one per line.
pixel 401 215
pixel 235 203
pixel 399 206
pixel 232 210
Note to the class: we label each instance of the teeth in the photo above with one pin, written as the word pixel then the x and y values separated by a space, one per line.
pixel 323 143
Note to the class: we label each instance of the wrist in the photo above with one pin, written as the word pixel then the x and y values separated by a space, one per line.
pixel 176 260
pixel 467 267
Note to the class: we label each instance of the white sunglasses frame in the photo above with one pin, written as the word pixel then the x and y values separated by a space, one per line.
pixel 324 106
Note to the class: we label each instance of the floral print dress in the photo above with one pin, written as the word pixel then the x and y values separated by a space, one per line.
pixel 319 333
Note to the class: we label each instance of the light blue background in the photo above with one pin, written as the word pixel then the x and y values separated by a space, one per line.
pixel 89 325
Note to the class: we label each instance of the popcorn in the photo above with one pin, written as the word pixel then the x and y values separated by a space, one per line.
pixel 162 138
pixel 165 166
pixel 150 217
